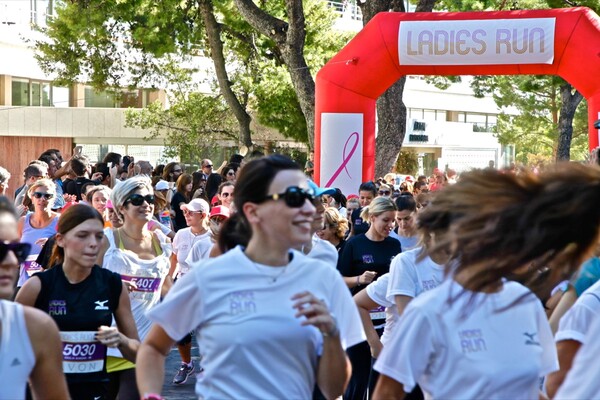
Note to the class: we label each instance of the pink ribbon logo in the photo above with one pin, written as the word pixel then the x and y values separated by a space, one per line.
pixel 345 158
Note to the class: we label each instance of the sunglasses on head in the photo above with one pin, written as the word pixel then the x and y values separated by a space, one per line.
pixel 39 195
pixel 384 192
pixel 294 196
pixel 21 250
pixel 138 199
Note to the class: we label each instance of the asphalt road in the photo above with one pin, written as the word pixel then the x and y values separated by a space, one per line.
pixel 184 391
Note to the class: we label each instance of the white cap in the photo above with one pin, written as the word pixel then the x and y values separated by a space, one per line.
pixel 162 185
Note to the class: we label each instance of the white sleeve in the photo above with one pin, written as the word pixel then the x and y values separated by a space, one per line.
pixel 378 289
pixel 407 353
pixel 342 305
pixel 575 323
pixel 200 251
pixel 181 311
pixel 176 242
pixel 549 355
pixel 403 280
pixel 583 380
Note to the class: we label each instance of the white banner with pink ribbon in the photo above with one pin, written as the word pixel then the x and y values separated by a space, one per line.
pixel 341 151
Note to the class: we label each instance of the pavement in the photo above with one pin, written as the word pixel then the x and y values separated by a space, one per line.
pixel 184 391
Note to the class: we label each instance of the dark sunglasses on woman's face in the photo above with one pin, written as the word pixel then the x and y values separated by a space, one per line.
pixel 138 199
pixel 21 250
pixel 225 194
pixel 384 192
pixel 294 196
pixel 39 195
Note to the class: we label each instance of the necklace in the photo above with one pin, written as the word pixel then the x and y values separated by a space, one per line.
pixel 131 237
pixel 272 278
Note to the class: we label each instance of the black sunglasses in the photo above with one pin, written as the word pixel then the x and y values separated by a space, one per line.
pixel 384 192
pixel 294 196
pixel 208 166
pixel 39 195
pixel 21 250
pixel 138 199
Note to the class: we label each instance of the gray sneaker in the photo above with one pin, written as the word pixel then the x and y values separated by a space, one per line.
pixel 183 373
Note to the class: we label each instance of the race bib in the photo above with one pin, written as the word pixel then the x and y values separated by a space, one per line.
pixel 31 267
pixel 377 313
pixel 82 354
pixel 143 283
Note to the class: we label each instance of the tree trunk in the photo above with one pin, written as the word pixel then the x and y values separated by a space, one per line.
pixel 391 111
pixel 213 32
pixel 289 38
pixel 570 101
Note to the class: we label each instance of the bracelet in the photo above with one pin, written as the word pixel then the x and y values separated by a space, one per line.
pixel 335 332
pixel 152 396
pixel 358 280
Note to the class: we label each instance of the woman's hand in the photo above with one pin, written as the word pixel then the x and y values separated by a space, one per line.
pixel 367 277
pixel 316 313
pixel 109 336
pixel 131 286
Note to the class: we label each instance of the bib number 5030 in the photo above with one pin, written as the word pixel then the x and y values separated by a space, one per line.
pixel 78 350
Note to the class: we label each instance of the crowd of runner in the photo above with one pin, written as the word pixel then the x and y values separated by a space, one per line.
pixel 483 286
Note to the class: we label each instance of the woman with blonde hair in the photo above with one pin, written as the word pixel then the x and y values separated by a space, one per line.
pixel 334 229
pixel 142 257
pixel 36 227
pixel 477 325
pixel 365 258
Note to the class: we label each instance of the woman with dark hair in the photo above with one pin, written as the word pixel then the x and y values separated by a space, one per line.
pixel 30 348
pixel 199 186
pixel 337 200
pixel 406 229
pixel 225 194
pixel 83 298
pixel 183 195
pixel 291 341
pixel 477 326
pixel 229 173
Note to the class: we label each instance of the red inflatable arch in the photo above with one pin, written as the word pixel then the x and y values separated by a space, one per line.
pixel 564 42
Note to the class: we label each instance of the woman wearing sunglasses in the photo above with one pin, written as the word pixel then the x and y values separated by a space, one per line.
pixel 225 194
pixel 229 173
pixel 36 227
pixel 141 257
pixel 280 299
pixel 83 299
pixel 30 348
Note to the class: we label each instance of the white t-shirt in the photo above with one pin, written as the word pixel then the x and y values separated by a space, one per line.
pixel 411 276
pixel 324 251
pixel 377 292
pixel 575 323
pixel 183 242
pixel 583 380
pixel 252 345
pixel 200 251
pixel 456 346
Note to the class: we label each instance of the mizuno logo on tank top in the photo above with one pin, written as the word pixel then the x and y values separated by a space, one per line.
pixel 531 337
pixel 101 305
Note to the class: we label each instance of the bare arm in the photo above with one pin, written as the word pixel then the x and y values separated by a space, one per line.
pixel 173 260
pixel 388 388
pixel 150 366
pixel 365 304
pixel 29 292
pixel 401 302
pixel 104 247
pixel 566 349
pixel 334 369
pixel 359 280
pixel 566 302
pixel 129 341
pixel 47 378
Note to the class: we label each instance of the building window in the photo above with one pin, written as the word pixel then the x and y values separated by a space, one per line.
pixel 29 92
pixel 108 99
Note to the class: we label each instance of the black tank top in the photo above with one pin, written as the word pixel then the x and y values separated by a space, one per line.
pixel 79 310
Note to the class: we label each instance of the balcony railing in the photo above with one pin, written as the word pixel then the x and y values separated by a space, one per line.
pixel 346 9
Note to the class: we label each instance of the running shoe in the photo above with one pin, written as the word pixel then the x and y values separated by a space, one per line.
pixel 184 372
